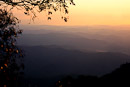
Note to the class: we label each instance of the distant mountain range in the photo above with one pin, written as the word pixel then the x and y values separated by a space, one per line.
pixel 89 40
pixel 64 40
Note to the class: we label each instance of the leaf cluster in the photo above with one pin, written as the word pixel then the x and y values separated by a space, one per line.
pixel 41 5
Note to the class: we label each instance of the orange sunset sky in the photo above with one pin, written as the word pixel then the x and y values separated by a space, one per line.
pixel 87 12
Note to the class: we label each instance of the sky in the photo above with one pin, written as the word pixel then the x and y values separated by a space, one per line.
pixel 87 12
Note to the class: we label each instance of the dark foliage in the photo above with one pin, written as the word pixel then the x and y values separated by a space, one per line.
pixel 10 55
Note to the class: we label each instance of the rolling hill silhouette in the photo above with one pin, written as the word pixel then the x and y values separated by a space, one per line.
pixel 51 61
pixel 65 40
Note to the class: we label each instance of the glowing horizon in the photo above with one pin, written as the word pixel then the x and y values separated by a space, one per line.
pixel 90 12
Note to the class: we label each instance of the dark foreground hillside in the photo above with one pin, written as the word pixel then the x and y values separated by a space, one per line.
pixel 119 77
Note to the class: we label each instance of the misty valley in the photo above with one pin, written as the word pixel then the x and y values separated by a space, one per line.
pixel 57 52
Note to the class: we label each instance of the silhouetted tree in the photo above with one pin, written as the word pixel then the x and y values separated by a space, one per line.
pixel 10 55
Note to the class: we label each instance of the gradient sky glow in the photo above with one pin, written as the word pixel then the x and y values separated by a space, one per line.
pixel 90 12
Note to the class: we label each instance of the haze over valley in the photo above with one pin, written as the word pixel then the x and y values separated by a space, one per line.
pixel 91 38
pixel 63 51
